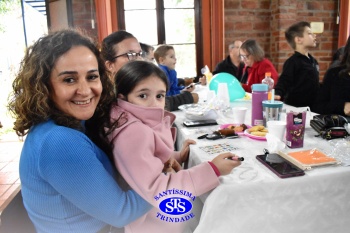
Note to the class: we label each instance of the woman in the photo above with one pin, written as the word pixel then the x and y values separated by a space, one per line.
pixel 68 183
pixel 256 65
pixel 334 95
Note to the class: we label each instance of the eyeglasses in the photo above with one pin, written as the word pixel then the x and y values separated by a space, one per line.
pixel 130 55
pixel 244 57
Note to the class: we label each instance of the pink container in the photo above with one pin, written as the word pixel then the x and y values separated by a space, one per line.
pixel 259 94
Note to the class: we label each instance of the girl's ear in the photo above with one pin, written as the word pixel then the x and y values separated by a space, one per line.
pixel 121 96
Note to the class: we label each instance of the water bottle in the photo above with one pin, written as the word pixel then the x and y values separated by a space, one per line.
pixel 270 82
pixel 259 94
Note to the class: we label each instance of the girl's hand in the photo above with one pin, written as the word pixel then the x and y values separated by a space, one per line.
pixel 185 151
pixel 226 162
pixel 171 166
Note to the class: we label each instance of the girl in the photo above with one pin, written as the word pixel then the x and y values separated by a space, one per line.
pixel 142 139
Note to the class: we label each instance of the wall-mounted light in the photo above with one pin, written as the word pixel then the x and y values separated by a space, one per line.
pixel 317 27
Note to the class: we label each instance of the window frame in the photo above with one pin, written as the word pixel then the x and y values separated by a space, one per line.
pixel 161 27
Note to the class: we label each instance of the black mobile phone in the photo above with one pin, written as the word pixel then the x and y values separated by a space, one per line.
pixel 280 166
pixel 199 123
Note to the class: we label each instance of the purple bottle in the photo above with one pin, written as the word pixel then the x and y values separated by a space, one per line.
pixel 259 94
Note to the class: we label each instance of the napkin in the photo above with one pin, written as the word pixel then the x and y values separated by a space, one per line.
pixel 274 144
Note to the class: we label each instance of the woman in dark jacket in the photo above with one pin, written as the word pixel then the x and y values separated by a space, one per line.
pixel 334 95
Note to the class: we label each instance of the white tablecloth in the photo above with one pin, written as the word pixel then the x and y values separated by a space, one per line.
pixel 253 199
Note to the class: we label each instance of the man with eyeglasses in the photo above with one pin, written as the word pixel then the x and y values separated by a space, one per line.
pixel 120 47
pixel 232 64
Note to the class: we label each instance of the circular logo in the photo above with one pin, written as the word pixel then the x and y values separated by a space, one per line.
pixel 175 206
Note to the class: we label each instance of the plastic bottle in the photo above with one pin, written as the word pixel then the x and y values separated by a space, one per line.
pixel 206 71
pixel 270 82
pixel 259 94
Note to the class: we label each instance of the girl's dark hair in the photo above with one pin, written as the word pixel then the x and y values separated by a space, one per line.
pixel 346 60
pixel 31 103
pixel 134 72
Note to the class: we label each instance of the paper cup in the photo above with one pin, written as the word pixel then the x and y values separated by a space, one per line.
pixel 239 114
pixel 277 128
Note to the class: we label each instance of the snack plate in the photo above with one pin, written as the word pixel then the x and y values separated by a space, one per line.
pixel 224 126
pixel 246 133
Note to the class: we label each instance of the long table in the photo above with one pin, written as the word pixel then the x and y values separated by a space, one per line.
pixel 253 199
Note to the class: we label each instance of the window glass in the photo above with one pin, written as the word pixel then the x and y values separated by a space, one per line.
pixel 185 60
pixel 179 29
pixel 145 28
pixel 178 3
pixel 179 26
pixel 137 4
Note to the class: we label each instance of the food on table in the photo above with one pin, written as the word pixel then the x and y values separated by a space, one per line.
pixel 226 131
pixel 258 130
pixel 237 128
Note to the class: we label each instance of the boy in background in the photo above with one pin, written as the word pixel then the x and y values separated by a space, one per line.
pixel 166 60
pixel 298 85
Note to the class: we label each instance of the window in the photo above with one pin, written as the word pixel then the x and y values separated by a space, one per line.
pixel 170 22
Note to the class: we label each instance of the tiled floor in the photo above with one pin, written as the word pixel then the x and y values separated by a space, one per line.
pixel 10 149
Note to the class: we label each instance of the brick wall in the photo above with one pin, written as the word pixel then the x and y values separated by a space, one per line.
pixel 267 20
pixel 82 16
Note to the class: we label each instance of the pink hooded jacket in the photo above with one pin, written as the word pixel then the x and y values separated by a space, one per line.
pixel 142 144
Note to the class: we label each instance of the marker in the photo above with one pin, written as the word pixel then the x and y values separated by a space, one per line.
pixel 236 158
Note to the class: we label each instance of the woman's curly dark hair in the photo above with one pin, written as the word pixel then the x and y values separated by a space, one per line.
pixel 30 102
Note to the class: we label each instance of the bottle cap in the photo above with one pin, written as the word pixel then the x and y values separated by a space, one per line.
pixel 260 87
pixel 268 74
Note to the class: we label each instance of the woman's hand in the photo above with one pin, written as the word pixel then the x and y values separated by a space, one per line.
pixel 347 108
pixel 185 150
pixel 277 97
pixel 203 80
pixel 226 162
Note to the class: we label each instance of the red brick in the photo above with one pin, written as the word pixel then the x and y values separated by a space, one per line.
pixel 330 5
pixel 244 26
pixel 314 5
pixel 231 4
pixel 250 4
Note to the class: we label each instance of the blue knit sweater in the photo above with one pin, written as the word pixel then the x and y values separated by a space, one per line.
pixel 68 183
pixel 174 89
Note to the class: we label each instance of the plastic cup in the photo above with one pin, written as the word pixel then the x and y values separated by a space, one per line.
pixel 239 114
pixel 277 128
pixel 222 94
pixel 271 110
